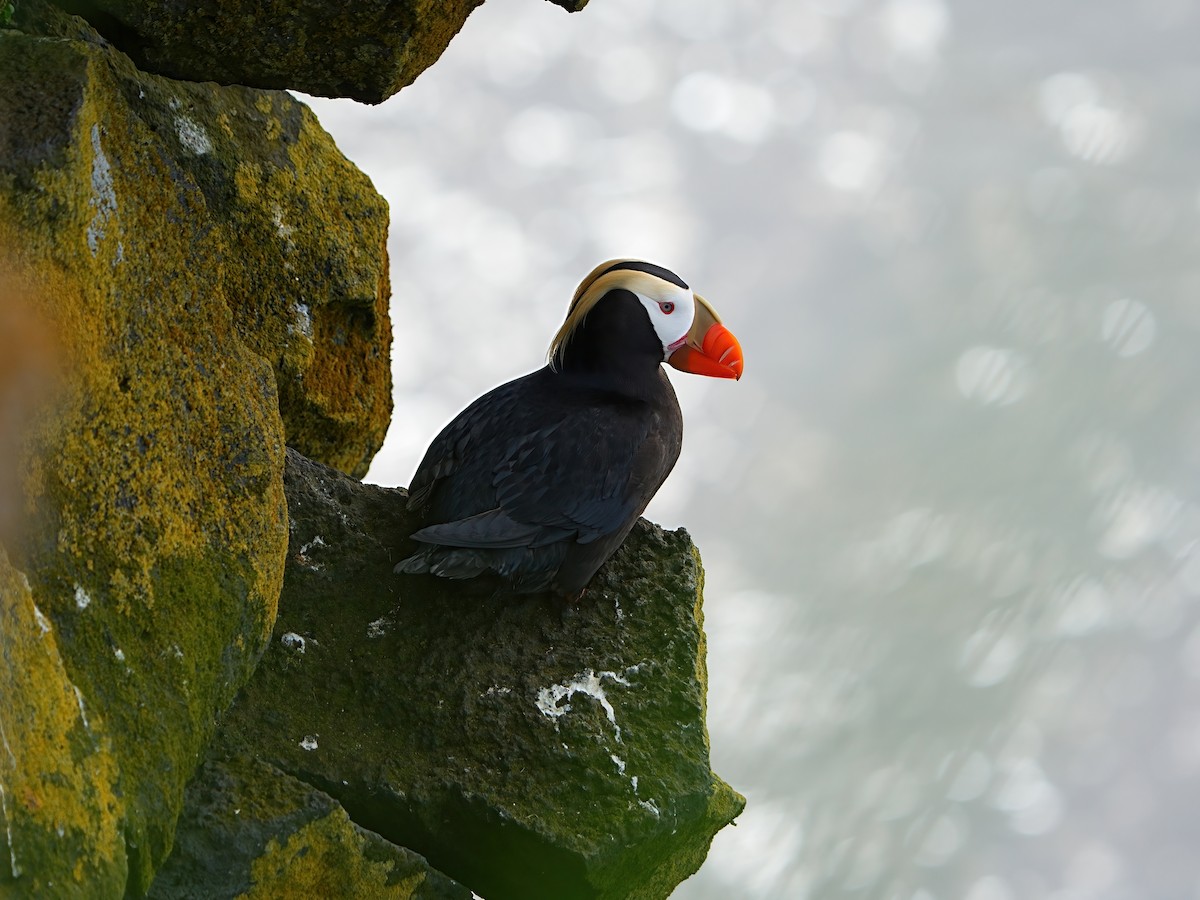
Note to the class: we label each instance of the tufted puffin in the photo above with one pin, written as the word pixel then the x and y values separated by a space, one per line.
pixel 538 482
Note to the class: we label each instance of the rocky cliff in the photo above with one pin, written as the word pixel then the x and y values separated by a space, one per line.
pixel 191 278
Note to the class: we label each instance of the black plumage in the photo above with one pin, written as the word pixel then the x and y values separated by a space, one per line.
pixel 539 481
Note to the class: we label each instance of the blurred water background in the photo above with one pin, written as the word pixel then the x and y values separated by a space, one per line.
pixel 950 517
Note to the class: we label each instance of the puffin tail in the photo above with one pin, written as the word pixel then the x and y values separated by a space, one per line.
pixel 519 571
pixel 416 564
pixel 445 562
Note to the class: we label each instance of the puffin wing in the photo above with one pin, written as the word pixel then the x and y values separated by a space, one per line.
pixel 590 473
pixel 493 529
pixel 459 449
pixel 578 472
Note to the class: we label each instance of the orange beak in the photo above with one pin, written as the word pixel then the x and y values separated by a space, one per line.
pixel 709 348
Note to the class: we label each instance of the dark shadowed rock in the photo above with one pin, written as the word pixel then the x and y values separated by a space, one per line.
pixel 366 51
pixel 251 831
pixel 524 747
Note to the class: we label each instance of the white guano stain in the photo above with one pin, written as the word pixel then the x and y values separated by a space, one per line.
pixel 285 232
pixel 304 323
pixel 82 712
pixel 302 554
pixel 378 628
pixel 555 701
pixel 281 228
pixel 293 642
pixel 12 765
pixel 195 140
pixel 650 806
pixel 81 597
pixel 104 195
pixel 12 851
pixel 317 541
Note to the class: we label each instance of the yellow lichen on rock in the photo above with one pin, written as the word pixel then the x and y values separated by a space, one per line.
pixel 325 858
pixel 291 234
pixel 142 419
pixel 251 830
pixel 311 289
pixel 155 527
pixel 184 248
pixel 61 814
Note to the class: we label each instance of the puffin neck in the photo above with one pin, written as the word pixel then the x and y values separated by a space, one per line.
pixel 615 348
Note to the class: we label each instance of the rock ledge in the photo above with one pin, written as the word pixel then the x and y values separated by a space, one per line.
pixel 524 748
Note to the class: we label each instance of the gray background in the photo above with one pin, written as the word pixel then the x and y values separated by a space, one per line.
pixel 949 517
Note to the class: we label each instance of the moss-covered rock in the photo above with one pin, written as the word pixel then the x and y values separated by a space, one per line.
pixel 367 51
pixel 61 813
pixel 252 831
pixel 526 748
pixel 154 534
pixel 282 227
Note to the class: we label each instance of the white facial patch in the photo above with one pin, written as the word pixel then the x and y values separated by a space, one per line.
pixel 671 310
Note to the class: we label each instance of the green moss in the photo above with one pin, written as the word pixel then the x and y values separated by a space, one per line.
pixel 436 717
pixel 61 811
pixel 252 831
pixel 325 859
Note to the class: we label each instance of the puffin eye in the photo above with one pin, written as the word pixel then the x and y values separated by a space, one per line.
pixel 667 307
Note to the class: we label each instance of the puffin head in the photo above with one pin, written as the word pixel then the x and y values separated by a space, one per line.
pixel 688 328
